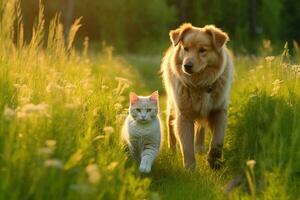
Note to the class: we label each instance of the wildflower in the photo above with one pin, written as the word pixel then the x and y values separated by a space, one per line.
pixel 70 86
pixel 55 163
pixel 104 87
pixel 251 163
pixel 269 58
pixel 108 129
pixel 28 109
pixel 54 87
pixel 8 113
pixel 296 70
pixel 24 93
pixel 51 143
pixel 118 107
pixel 120 117
pixel 112 166
pixel 93 173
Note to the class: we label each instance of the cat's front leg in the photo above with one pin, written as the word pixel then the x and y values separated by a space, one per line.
pixel 148 156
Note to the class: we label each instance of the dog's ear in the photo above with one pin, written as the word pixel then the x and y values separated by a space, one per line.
pixel 219 37
pixel 177 35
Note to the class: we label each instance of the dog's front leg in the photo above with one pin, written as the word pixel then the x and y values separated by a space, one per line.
pixel 170 128
pixel 218 123
pixel 200 140
pixel 185 132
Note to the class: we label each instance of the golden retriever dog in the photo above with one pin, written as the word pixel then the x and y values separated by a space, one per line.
pixel 197 74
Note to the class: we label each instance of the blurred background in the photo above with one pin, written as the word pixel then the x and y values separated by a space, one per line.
pixel 132 26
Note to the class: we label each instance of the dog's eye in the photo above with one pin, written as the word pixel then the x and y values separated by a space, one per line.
pixel 202 50
pixel 149 110
pixel 138 110
pixel 186 49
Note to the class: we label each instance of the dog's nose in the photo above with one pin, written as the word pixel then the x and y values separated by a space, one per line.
pixel 188 66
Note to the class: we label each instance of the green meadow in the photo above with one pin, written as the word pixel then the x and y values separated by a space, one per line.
pixel 61 111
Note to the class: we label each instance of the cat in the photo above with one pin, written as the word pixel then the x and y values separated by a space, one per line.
pixel 142 130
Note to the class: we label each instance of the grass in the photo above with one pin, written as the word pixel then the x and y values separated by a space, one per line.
pixel 61 113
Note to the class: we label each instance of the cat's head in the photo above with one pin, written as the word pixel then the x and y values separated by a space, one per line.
pixel 143 109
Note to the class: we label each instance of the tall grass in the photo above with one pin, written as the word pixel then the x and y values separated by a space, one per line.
pixel 265 125
pixel 60 117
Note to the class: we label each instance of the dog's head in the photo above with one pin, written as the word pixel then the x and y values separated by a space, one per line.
pixel 198 47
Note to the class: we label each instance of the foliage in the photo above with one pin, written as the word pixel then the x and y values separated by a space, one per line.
pixel 135 26
pixel 60 118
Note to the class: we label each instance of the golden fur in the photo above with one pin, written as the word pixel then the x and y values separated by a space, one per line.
pixel 197 73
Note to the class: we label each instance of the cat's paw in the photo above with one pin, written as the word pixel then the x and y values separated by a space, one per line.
pixel 145 167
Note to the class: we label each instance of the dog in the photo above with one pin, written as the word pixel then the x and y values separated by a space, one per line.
pixel 197 72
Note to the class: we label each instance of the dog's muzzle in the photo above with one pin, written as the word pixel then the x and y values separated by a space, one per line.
pixel 188 68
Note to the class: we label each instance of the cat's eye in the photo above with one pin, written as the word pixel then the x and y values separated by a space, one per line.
pixel 186 49
pixel 138 110
pixel 149 110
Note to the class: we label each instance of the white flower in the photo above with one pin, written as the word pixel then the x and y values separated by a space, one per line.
pixel 51 143
pixel 93 173
pixel 251 163
pixel 108 129
pixel 8 113
pixel 54 87
pixel 29 109
pixel 269 58
pixel 55 163
pixel 70 86
pixel 120 117
pixel 104 87
pixel 118 107
pixel 112 166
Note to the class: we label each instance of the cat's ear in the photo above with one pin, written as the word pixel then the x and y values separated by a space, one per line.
pixel 154 96
pixel 133 98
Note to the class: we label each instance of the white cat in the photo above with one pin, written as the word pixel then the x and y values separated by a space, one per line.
pixel 142 130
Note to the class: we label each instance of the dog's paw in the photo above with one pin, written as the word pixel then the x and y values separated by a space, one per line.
pixel 214 158
pixel 145 167
pixel 215 164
